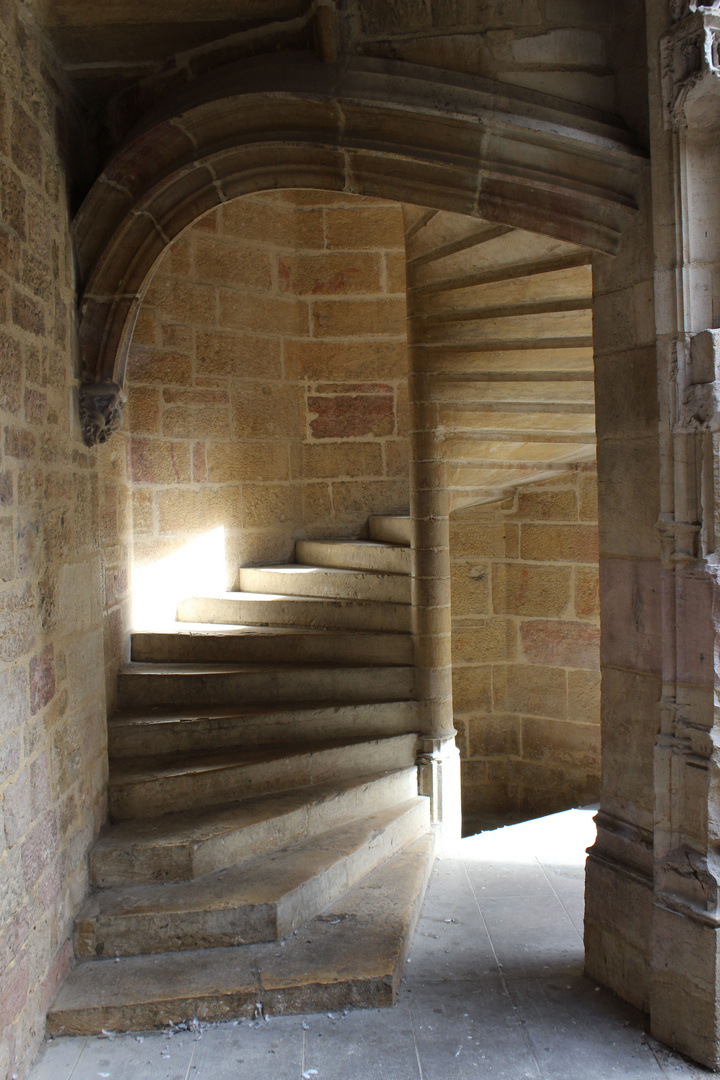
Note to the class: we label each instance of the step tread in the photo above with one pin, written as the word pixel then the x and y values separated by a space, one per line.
pixel 331 571
pixel 145 731
pixel 373 556
pixel 343 541
pixel 149 667
pixel 307 581
pixel 262 880
pixel 193 827
pixel 249 630
pixel 345 956
pixel 143 770
pixel 279 598
pixel 228 643
pixel 167 714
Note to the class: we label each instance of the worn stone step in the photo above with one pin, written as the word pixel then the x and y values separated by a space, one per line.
pixel 273 610
pixel 350 956
pixel 261 900
pixel 354 555
pixel 143 732
pixel 179 847
pixel 224 684
pixel 206 644
pixel 149 787
pixel 324 581
pixel 390 529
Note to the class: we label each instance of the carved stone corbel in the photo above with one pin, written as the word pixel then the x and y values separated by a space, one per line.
pixel 689 57
pixel 101 405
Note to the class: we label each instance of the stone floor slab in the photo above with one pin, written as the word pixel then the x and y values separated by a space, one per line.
pixel 470 1031
pixel 57 1059
pixel 573 1020
pixel 136 1057
pixel 244 1052
pixel 460 1015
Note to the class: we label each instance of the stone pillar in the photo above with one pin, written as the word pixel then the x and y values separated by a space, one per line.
pixel 439 760
pixel 684 937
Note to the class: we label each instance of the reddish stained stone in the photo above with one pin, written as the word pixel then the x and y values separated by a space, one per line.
pixel 14 985
pixel 333 285
pixel 38 849
pixel 345 416
pixel 560 644
pixel 42 679
pixel 58 970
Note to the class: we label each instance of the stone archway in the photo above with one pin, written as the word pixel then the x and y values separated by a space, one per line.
pixel 389 130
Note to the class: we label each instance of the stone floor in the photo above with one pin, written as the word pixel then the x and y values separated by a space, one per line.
pixel 493 988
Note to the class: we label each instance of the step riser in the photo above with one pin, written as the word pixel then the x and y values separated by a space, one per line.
pixel 264 648
pixel 246 923
pixel 147 862
pixel 296 909
pixel 346 555
pixel 184 931
pixel 317 614
pixel 217 733
pixel 143 992
pixel 331 584
pixel 390 530
pixel 219 1007
pixel 171 794
pixel 142 689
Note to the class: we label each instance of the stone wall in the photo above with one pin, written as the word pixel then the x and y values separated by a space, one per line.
pixel 526 683
pixel 559 47
pixel 53 765
pixel 268 384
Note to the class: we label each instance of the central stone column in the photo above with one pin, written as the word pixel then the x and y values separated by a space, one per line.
pixel 439 760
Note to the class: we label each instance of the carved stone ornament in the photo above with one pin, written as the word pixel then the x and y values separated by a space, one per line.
pixel 689 57
pixel 101 406
pixel 700 399
pixel 680 9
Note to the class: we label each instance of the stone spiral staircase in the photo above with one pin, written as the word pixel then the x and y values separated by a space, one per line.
pixel 267 843
pixel 500 328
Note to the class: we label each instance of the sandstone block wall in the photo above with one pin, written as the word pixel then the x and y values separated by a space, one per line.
pixel 525 640
pixel 268 379
pixel 53 765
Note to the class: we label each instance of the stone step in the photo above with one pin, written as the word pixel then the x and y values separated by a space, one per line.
pixel 324 581
pixel 350 956
pixel 149 787
pixel 143 732
pixel 258 609
pixel 190 844
pixel 261 900
pixel 206 644
pixel 354 555
pixel 390 529
pixel 141 685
